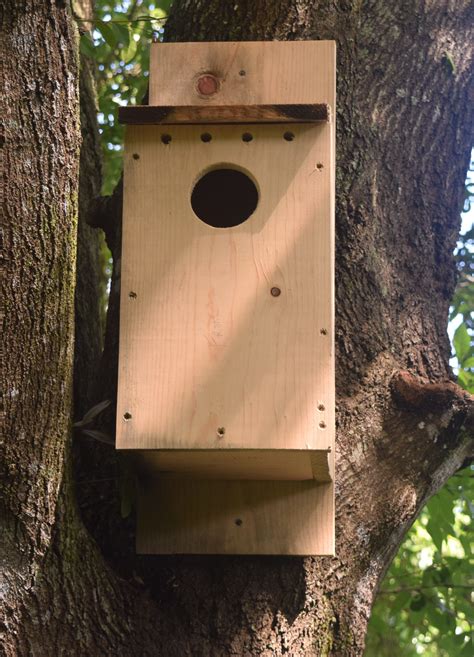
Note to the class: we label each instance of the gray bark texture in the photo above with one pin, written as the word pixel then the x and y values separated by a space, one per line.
pixel 71 583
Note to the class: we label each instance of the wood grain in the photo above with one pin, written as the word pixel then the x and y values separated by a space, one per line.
pixel 226 370
pixel 274 72
pixel 197 114
pixel 203 343
pixel 230 517
pixel 205 346
pixel 243 464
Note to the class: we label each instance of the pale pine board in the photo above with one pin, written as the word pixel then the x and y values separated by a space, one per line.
pixel 231 517
pixel 245 464
pixel 276 72
pixel 204 344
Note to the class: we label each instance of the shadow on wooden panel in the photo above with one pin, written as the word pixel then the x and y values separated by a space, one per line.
pixel 231 517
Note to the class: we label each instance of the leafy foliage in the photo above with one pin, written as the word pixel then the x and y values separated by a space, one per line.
pixel 119 44
pixel 424 606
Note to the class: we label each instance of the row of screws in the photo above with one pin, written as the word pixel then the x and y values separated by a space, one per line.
pixel 221 430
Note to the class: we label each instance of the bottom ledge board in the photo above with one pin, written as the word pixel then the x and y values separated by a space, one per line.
pixel 246 464
pixel 189 516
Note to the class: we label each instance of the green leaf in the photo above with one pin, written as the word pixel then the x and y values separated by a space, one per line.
pixel 418 601
pixel 462 343
pixel 128 53
pixel 86 45
pixel 108 33
pixel 122 33
pixel 436 534
pixel 99 435
pixel 400 602
pixel 164 4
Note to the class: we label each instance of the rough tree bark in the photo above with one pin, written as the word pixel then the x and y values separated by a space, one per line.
pixel 404 123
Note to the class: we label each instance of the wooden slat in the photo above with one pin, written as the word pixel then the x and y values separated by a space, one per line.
pixel 199 114
pixel 233 517
pixel 243 464
pixel 248 72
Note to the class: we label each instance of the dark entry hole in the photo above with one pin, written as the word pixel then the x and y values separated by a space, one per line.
pixel 224 198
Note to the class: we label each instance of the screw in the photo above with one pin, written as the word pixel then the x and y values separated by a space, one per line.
pixel 132 295
pixel 288 136
pixel 321 407
pixel 322 425
pixel 247 136
pixel 136 156
pixel 207 85
pixel 320 166
pixel 127 416
pixel 206 137
pixel 323 331
pixel 242 72
pixel 220 432
pixel 166 139
pixel 275 291
pixel 239 522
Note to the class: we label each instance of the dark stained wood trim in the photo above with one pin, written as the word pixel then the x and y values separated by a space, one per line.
pixel 203 114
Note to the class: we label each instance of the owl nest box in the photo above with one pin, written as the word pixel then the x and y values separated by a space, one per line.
pixel 226 369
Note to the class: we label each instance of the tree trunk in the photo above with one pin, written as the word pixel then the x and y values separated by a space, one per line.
pixel 403 140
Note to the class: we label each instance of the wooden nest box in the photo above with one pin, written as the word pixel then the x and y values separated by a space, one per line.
pixel 226 372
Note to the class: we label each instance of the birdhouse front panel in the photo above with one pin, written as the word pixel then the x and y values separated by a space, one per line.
pixel 226 364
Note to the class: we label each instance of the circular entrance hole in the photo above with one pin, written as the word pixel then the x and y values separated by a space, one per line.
pixel 224 197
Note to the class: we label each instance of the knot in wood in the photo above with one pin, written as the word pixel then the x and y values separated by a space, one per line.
pixel 207 85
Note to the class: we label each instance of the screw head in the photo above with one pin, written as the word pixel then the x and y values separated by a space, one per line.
pixel 275 291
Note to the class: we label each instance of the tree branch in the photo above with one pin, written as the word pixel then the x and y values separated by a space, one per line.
pixel 417 392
